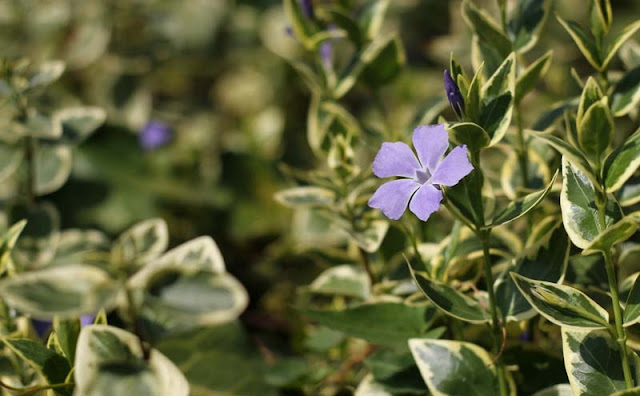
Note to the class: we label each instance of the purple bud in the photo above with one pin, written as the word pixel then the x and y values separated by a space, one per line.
pixel 525 336
pixel 453 94
pixel 307 8
pixel 42 327
pixel 154 135
pixel 326 52
pixel 288 31
pixel 86 320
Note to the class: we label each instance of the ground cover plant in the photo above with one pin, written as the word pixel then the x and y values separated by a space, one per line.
pixel 320 197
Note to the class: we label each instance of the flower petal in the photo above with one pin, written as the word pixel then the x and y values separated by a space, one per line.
pixel 425 201
pixel 453 168
pixel 431 142
pixel 395 159
pixel 392 197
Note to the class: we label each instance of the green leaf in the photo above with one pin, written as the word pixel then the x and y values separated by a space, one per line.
pixel 497 100
pixel 501 81
pixel 526 23
pixel 396 371
pixel 629 193
pixel 612 235
pixel 78 123
pixel 313 81
pixel 387 65
pixel 8 242
pixel 532 74
pixel 622 163
pixel 370 238
pixel 230 350
pixel 200 253
pixel 346 22
pixel 573 155
pixel 46 73
pixel 451 301
pixel 521 206
pixel 465 198
pixel 595 129
pixel 343 280
pixel 584 41
pixel 629 392
pixel 455 368
pixel 39 238
pixel 495 116
pixel 617 42
pixel 592 359
pixel 381 323
pixel 470 134
pixel 370 54
pixel 11 156
pixel 472 102
pixel 545 260
pixel 632 308
pixel 141 243
pixel 82 246
pixel 301 25
pixel 562 305
pixel 178 300
pixel 67 291
pixel 600 17
pixel 188 287
pixel 66 334
pixel 305 197
pixel 109 361
pixel 591 94
pixel 486 28
pixel 556 390
pixel 579 211
pixel 52 366
pixel 53 167
pixel 371 16
pixel 626 93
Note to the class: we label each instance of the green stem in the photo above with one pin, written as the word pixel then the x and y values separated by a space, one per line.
pixel 620 334
pixel 136 324
pixel 522 148
pixel 496 325
pixel 364 256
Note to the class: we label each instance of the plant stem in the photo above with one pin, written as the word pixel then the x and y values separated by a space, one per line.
pixel 522 148
pixel 496 326
pixel 620 334
pixel 367 265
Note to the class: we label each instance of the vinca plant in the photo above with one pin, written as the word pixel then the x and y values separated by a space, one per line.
pixel 514 269
pixel 73 279
pixel 416 197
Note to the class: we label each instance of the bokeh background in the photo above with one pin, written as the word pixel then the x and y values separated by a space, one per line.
pixel 205 115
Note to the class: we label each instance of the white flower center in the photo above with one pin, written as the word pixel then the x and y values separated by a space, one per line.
pixel 422 176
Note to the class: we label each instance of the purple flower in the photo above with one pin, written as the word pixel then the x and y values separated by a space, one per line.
pixel 154 135
pixel 307 8
pixel 423 175
pixel 326 53
pixel 453 94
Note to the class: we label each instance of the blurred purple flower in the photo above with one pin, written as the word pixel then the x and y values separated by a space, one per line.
pixel 424 175
pixel 307 8
pixel 326 53
pixel 154 135
pixel 453 94
pixel 42 327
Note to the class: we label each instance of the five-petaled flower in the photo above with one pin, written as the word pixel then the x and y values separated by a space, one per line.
pixel 424 175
